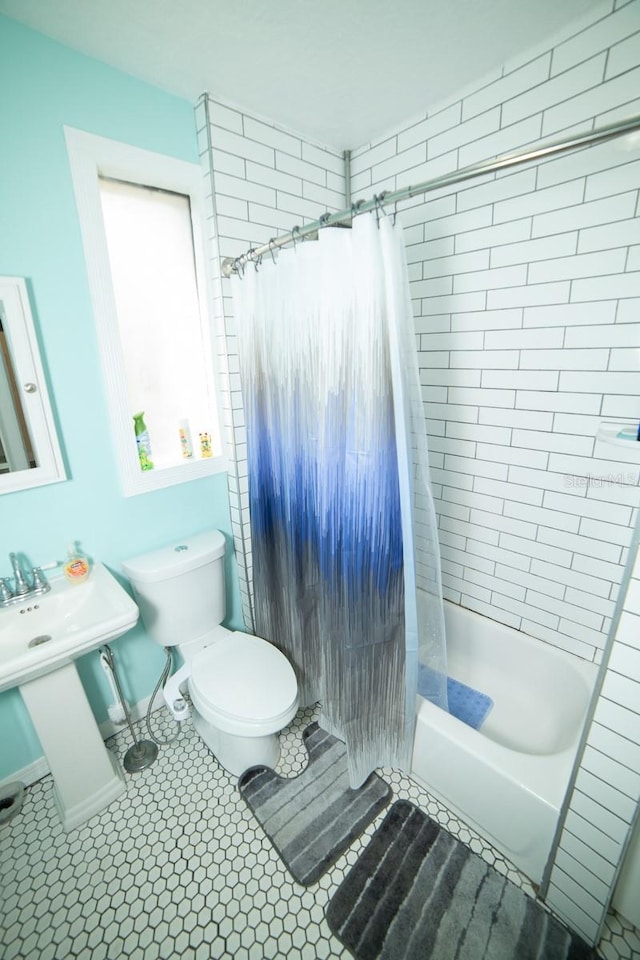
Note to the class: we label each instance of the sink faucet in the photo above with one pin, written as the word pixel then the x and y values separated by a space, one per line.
pixel 22 587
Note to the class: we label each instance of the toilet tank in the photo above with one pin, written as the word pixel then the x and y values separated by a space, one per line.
pixel 180 588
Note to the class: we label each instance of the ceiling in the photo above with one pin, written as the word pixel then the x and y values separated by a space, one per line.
pixel 340 72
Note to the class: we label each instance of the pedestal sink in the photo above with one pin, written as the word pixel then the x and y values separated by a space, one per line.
pixel 40 638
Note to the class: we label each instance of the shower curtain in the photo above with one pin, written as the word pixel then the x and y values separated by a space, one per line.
pixel 342 519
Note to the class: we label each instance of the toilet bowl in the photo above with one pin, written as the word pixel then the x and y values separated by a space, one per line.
pixel 242 688
pixel 243 691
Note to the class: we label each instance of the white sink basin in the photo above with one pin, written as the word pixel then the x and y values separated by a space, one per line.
pixel 43 633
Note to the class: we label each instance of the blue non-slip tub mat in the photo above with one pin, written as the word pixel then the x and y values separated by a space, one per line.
pixel 467 704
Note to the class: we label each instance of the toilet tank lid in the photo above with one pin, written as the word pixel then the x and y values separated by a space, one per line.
pixel 176 559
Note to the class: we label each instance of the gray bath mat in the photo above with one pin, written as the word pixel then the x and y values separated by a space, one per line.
pixel 312 819
pixel 416 893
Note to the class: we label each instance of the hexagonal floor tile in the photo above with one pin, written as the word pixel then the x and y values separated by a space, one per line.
pixel 179 867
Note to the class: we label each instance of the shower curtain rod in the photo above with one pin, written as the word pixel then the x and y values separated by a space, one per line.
pixel 600 135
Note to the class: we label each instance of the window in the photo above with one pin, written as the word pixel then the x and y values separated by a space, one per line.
pixel 140 215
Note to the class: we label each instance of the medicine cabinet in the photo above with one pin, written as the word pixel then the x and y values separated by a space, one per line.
pixel 29 450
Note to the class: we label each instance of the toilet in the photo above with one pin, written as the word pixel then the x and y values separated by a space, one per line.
pixel 243 689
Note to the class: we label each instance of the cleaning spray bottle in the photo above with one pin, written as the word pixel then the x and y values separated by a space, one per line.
pixel 143 441
pixel 76 567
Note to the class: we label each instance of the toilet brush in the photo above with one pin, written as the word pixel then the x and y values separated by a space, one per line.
pixel 115 709
pixel 143 752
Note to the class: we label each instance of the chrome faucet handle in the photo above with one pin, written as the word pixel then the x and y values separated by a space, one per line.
pixel 39 581
pixel 22 587
pixel 6 592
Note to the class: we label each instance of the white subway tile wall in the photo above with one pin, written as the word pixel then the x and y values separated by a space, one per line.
pixel 526 294
pixel 605 797
pixel 260 182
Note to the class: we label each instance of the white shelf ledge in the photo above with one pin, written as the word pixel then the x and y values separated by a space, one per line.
pixel 609 433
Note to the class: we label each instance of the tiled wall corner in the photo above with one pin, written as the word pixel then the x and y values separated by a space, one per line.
pixel 261 181
pixel 226 357
pixel 606 792
pixel 526 295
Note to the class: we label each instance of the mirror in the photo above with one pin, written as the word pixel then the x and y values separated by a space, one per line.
pixel 29 450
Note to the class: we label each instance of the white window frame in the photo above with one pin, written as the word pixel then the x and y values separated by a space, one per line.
pixel 90 157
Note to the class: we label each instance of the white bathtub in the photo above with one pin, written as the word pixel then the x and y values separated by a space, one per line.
pixel 509 778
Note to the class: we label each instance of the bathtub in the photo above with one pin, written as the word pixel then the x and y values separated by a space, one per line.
pixel 509 778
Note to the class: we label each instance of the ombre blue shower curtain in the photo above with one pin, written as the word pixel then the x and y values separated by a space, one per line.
pixel 342 520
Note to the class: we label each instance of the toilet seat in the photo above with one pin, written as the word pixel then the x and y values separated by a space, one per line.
pixel 243 685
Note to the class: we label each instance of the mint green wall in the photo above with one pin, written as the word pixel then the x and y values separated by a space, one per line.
pixel 44 87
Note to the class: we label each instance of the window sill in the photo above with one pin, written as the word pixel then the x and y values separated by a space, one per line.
pixel 136 481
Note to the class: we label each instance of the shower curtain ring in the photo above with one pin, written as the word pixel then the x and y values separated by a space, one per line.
pixel 379 198
pixel 257 263
pixel 355 208
pixel 294 236
pixel 323 219
pixel 272 244
pixel 395 212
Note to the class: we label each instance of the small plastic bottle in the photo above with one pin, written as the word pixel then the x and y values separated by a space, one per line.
pixel 185 439
pixel 76 567
pixel 143 441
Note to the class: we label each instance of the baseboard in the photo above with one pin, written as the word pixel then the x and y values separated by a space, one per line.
pixel 40 768
pixel 27 775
